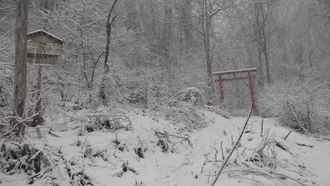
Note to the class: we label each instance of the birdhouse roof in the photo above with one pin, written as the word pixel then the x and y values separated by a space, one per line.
pixel 43 36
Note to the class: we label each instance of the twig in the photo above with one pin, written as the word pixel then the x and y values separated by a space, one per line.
pixel 222 154
pixel 264 142
pixel 216 154
pixel 157 162
pixel 203 167
pixel 9 132
pixel 262 127
pixel 53 134
pixel 212 161
pixel 183 137
pixel 234 147
pixel 258 172
pixel 287 135
pixel 206 157
pixel 282 146
pixel 304 145
pixel 282 175
pixel 35 155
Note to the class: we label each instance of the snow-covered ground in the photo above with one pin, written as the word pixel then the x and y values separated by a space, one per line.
pixel 111 157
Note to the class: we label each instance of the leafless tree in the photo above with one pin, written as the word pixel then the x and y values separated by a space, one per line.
pixel 20 66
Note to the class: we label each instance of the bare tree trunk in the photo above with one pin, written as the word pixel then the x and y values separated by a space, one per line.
pixel 261 37
pixel 206 25
pixel 167 34
pixel 209 10
pixel 186 33
pixel 259 43
pixel 20 65
pixel 110 22
pixel 265 48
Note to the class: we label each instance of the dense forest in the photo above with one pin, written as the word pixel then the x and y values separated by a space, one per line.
pixel 157 58
pixel 144 52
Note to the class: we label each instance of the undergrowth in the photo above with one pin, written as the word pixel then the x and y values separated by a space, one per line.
pixel 301 106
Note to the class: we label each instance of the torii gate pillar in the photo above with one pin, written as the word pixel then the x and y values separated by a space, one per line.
pixel 249 76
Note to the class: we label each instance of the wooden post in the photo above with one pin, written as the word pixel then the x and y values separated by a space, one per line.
pixel 37 119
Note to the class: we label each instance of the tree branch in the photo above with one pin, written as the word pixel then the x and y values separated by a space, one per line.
pixel 222 8
pixel 234 147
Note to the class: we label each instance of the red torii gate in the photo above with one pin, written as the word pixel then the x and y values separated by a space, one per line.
pixel 249 76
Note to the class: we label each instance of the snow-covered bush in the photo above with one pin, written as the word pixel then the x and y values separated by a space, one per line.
pixel 17 158
pixel 189 116
pixel 6 73
pixel 191 95
pixel 304 106
pixel 108 122
pixel 5 108
pixel 182 107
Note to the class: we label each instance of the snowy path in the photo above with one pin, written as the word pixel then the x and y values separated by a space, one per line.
pixel 185 169
pixel 317 161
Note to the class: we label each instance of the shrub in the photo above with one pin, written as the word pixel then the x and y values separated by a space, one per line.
pixel 191 95
pixel 299 105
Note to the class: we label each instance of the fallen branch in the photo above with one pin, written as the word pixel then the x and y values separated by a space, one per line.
pixel 282 146
pixel 285 176
pixel 234 147
pixel 35 155
pixel 256 172
pixel 53 134
pixel 276 176
pixel 182 137
pixel 4 124
pixel 304 145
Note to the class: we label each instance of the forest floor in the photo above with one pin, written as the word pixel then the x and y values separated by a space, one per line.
pixel 144 155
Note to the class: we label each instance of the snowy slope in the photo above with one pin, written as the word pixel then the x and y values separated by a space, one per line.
pixel 100 155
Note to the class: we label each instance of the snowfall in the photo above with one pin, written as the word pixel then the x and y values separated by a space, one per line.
pixel 153 150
